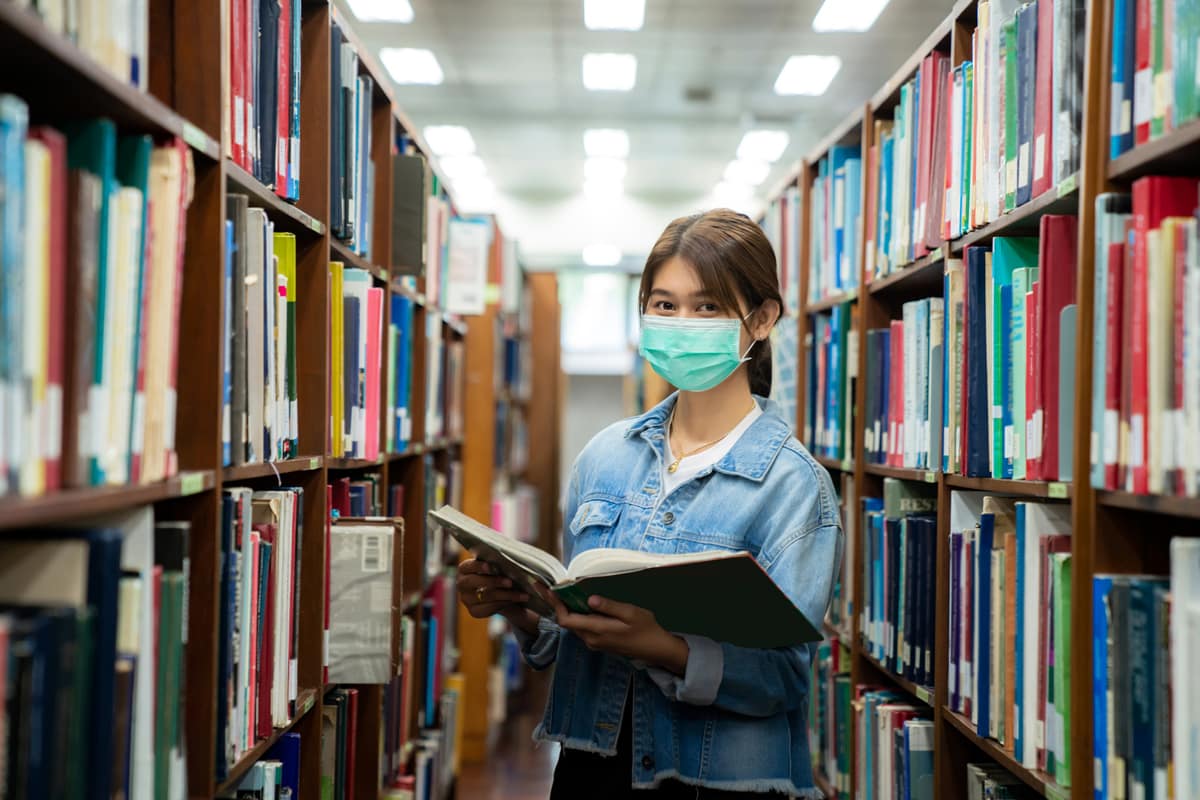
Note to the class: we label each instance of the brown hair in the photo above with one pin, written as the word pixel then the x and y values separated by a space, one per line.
pixel 733 260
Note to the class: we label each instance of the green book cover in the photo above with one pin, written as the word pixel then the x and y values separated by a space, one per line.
pixel 1062 668
pixel 1022 283
pixel 170 647
pixel 1161 70
pixel 905 497
pixel 1011 143
pixel 1008 255
pixel 81 685
pixel 968 145
pixel 1184 53
pixel 842 697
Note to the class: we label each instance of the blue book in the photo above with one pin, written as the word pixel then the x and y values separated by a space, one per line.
pixel 293 170
pixel 880 554
pixel 922 373
pixel 918 764
pixel 983 624
pixel 225 626
pixel 956 623
pixel 1143 644
pixel 852 220
pixel 977 456
pixel 947 355
pixel 1101 634
pixel 227 361
pixel 286 750
pixel 431 647
pixel 1008 255
pixel 14 127
pixel 1003 371
pixel 1121 116
pixel 104 574
pixel 884 246
pixel 1018 732
pixel 913 142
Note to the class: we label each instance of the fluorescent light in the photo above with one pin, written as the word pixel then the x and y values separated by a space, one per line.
pixel 382 10
pixel 609 72
pixel 449 140
pixel 748 173
pixel 474 196
pixel 614 15
pixel 460 168
pixel 848 15
pixel 763 145
pixel 604 169
pixel 606 143
pixel 603 188
pixel 601 255
pixel 411 65
pixel 736 196
pixel 809 75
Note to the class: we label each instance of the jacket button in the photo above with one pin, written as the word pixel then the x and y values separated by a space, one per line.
pixel 647 762
pixel 668 518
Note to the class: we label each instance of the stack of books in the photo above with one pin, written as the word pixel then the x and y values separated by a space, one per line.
pixel 356 348
pixel 836 219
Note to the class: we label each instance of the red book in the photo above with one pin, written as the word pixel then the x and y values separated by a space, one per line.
pixel 253 564
pixel 935 209
pixel 1113 360
pixel 948 203
pixel 1059 234
pixel 925 180
pixel 238 52
pixel 1154 199
pixel 293 621
pixel 373 366
pixel 1125 441
pixel 872 206
pixel 283 115
pixel 895 453
pixel 328 559
pixel 1047 545
pixel 182 202
pixel 56 143
pixel 351 739
pixel 1143 76
pixel 266 664
pixel 1175 476
pixel 1043 111
pixel 1033 384
pixel 341 496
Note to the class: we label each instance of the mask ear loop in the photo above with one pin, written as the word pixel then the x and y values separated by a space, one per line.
pixel 753 341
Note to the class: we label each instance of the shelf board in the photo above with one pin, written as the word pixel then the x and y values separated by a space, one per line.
pixel 1174 153
pixel 351 463
pixel 1151 503
pixel 1024 220
pixel 903 473
pixel 922 693
pixel 827 303
pixel 247 472
pixel 1037 780
pixel 341 252
pixel 921 278
pixel 305 702
pixel 72 504
pixel 834 464
pixel 400 288
pixel 1056 490
pixel 286 216
pixel 72 85
pixel 414 449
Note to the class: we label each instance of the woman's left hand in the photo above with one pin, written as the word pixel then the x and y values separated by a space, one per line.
pixel 625 630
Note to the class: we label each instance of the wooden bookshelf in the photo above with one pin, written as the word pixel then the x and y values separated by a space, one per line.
pixel 827 303
pixel 921 693
pixel 834 465
pixel 187 99
pixel 1110 530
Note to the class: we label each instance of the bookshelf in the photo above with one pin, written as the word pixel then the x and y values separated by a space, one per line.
pixel 1112 531
pixel 186 99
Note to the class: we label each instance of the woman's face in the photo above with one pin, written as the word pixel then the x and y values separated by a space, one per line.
pixel 677 292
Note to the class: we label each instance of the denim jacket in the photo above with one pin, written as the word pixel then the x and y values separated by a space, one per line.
pixel 738 719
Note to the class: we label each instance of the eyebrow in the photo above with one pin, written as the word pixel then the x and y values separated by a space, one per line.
pixel 701 295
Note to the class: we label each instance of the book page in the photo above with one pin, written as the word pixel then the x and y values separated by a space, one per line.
pixel 614 561
pixel 499 550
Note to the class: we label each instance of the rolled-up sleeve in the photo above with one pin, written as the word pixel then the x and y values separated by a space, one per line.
pixel 541 650
pixel 701 680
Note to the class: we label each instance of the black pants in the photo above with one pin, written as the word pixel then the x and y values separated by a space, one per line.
pixel 588 776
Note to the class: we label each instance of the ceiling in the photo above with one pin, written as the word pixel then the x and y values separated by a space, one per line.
pixel 513 77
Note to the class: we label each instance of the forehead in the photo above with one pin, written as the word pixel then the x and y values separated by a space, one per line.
pixel 677 277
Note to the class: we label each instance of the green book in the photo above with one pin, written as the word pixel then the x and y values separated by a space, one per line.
pixel 905 497
pixel 1184 54
pixel 81 685
pixel 1008 255
pixel 133 170
pixel 1062 669
pixel 1161 92
pixel 170 664
pixel 1011 101
pixel 968 145
pixel 678 589
pixel 1022 283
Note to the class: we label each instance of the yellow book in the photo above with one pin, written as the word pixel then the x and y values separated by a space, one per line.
pixel 36 301
pixel 337 369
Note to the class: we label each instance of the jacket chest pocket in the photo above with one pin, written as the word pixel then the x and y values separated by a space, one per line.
pixel 700 538
pixel 595 521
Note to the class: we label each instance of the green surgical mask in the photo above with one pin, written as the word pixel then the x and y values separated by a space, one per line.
pixel 692 354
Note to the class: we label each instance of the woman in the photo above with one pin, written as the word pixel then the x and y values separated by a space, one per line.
pixel 641 712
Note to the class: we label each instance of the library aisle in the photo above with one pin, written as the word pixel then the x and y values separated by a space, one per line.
pixel 280 279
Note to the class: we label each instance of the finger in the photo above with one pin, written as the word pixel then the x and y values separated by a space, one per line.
pixel 473 566
pixel 590 623
pixel 471 583
pixel 500 596
pixel 611 608
pixel 551 598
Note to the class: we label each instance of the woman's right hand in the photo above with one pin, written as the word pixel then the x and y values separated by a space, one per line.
pixel 484 592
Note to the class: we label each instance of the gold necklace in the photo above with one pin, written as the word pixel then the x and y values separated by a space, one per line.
pixel 675 464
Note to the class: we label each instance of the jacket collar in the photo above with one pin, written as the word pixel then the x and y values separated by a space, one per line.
pixel 753 454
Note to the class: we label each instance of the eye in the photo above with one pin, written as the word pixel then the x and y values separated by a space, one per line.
pixel 664 306
pixel 708 308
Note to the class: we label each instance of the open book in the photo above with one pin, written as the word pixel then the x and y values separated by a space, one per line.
pixel 723 595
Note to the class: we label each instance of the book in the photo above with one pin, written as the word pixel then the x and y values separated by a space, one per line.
pixel 668 585
pixel 361 581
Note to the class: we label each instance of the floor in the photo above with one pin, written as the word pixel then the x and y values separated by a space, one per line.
pixel 517 769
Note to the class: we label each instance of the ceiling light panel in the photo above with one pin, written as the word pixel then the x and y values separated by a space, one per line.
pixel 747 173
pixel 807 75
pixel 763 145
pixel 601 255
pixel 449 140
pixel 609 72
pixel 604 169
pixel 606 143
pixel 409 65
pixel 614 15
pixel 848 15
pixel 382 10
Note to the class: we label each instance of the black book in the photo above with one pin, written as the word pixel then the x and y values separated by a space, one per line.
pixel 337 183
pixel 268 90
pixel 1027 89
pixel 410 190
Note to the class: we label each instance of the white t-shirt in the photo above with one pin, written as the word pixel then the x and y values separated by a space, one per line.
pixel 691 466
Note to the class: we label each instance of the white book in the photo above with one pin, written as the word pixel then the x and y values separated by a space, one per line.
pixel 34 361
pixel 283 425
pixel 355 284
pixel 256 288
pixel 1191 364
pixel 910 384
pixel 1185 654
pixel 120 335
pixel 1160 262
pixel 996 667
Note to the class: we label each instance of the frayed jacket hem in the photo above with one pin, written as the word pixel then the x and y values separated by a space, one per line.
pixel 540 735
pixel 781 785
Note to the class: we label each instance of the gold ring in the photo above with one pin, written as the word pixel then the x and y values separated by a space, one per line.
pixel 479 595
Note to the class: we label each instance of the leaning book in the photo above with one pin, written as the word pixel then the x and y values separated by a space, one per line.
pixel 678 589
